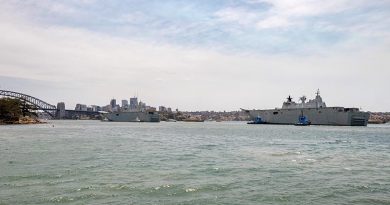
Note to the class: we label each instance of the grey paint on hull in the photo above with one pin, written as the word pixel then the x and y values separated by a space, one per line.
pixel 133 116
pixel 317 116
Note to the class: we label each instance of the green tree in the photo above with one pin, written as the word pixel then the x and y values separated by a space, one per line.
pixel 10 110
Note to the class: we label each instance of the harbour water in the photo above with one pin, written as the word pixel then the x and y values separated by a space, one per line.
pixel 93 162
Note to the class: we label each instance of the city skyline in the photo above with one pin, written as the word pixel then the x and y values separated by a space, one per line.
pixel 219 55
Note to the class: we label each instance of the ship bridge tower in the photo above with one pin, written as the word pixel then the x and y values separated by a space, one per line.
pixel 318 97
pixel 318 100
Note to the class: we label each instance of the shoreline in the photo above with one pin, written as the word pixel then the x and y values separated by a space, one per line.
pixel 23 121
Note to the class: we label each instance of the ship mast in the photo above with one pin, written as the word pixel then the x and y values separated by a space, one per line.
pixel 289 99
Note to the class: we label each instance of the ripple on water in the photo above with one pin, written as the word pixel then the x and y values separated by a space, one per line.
pixel 190 190
pixel 30 176
pixel 77 198
pixel 88 162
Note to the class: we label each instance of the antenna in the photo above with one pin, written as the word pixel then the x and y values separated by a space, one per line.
pixel 303 99
pixel 289 99
pixel 318 92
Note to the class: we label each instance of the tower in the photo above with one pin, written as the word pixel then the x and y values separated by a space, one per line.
pixel 113 103
pixel 61 110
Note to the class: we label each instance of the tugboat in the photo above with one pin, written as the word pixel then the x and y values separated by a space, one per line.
pixel 256 121
pixel 302 120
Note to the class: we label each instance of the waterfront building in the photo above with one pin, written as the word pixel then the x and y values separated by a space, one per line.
pixel 81 107
pixel 106 108
pixel 150 108
pixel 95 108
pixel 162 109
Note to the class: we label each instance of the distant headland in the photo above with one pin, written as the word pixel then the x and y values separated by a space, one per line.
pixel 14 111
pixel 379 117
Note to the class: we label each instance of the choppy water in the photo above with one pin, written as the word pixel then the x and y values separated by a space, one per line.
pixel 92 162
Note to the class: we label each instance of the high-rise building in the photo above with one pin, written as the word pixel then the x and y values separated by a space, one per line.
pixel 113 103
pixel 125 104
pixel 133 103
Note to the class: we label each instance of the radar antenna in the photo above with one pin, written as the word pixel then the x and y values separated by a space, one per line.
pixel 303 99
pixel 289 99
pixel 318 92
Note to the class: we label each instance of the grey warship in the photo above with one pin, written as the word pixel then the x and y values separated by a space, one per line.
pixel 136 112
pixel 314 110
pixel 133 116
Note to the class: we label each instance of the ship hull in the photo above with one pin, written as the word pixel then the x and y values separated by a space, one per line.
pixel 133 116
pixel 317 116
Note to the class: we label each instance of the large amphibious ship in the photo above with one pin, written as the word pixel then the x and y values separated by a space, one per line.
pixel 314 110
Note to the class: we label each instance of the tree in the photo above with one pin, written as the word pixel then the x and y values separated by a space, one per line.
pixel 10 110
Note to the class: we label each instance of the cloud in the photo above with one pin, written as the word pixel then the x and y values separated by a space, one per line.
pixel 79 65
pixel 239 15
pixel 273 22
pixel 286 13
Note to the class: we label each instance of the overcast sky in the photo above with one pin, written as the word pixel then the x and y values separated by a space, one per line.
pixel 198 55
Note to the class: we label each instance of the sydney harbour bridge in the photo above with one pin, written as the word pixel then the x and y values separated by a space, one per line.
pixel 34 104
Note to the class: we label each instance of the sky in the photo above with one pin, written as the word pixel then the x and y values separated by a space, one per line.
pixel 198 55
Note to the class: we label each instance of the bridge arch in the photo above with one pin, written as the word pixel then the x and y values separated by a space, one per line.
pixel 35 102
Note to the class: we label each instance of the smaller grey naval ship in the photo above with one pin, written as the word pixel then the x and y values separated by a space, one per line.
pixel 314 111
pixel 135 112
pixel 133 116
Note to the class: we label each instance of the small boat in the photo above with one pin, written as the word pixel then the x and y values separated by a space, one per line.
pixel 256 121
pixel 302 120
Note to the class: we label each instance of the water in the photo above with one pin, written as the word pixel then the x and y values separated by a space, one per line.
pixel 92 162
